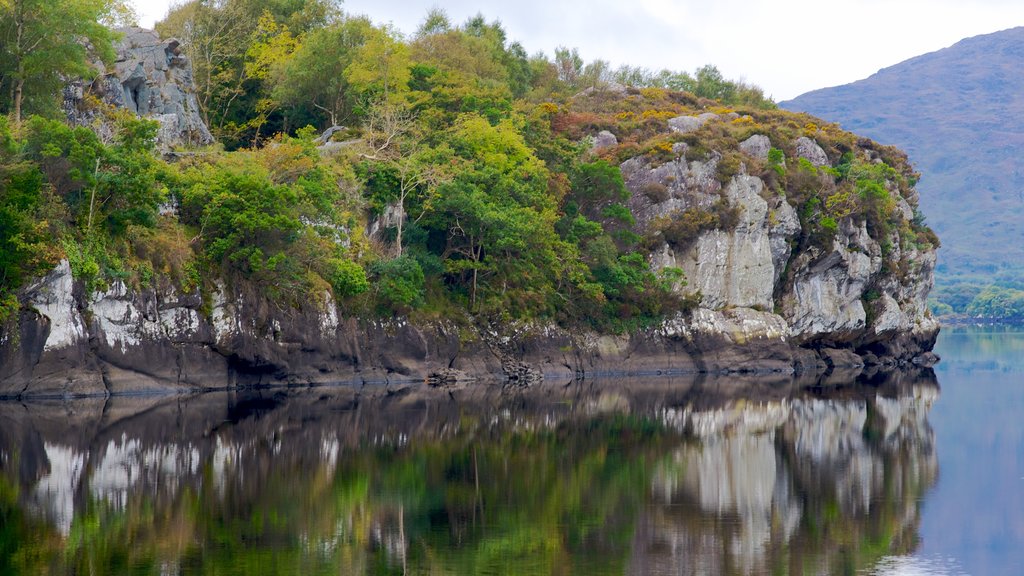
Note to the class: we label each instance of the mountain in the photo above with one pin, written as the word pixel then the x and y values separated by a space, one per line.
pixel 959 114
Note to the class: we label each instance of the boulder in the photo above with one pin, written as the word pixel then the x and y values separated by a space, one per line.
pixel 152 78
pixel 604 139
pixel 809 150
pixel 757 146
pixel 685 124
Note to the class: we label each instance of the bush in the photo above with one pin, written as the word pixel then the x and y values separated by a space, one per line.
pixel 346 277
pixel 682 228
pixel 399 282
pixel 656 192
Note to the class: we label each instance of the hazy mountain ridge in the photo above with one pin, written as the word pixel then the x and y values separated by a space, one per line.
pixel 959 113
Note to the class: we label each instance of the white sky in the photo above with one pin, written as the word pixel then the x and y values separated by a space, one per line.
pixel 787 47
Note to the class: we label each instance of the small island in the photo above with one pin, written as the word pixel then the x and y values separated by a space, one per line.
pixel 338 203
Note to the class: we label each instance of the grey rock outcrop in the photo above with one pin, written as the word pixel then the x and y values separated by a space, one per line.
pixel 809 150
pixel 734 268
pixel 757 146
pixel 604 139
pixel 841 296
pixel 686 124
pixel 152 78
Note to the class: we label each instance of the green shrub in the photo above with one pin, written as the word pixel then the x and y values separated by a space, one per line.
pixel 398 282
pixel 618 212
pixel 777 161
pixel 346 277
pixel 829 225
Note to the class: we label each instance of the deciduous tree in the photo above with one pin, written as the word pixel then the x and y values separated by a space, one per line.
pixel 43 42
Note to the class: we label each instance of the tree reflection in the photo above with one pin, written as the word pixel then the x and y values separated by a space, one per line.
pixel 646 477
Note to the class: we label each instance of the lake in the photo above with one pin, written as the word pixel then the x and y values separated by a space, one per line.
pixel 915 472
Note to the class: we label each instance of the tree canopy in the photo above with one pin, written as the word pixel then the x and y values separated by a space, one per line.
pixel 451 178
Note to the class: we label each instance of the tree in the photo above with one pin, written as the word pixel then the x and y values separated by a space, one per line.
pixel 380 67
pixel 395 143
pixel 219 38
pixel 436 22
pixel 569 65
pixel 26 247
pixel 498 220
pixel 313 84
pixel 104 184
pixel 272 45
pixel 42 44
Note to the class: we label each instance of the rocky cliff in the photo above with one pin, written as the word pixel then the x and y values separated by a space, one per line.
pixel 796 243
pixel 765 304
pixel 758 279
pixel 150 77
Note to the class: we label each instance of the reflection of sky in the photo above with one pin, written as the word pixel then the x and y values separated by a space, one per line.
pixel 917 566
pixel 975 513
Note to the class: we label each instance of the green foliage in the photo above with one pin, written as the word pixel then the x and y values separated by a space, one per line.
pixel 85 260
pixel 399 282
pixel 346 277
pixel 272 217
pixel 997 302
pixel 43 45
pixel 870 181
pixel 65 193
pixel 594 183
pixel 497 219
pixel 706 82
pixel 25 244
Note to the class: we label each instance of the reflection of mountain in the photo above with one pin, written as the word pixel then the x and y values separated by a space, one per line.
pixel 638 476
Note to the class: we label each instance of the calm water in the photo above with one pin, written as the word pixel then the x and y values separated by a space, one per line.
pixel 879 475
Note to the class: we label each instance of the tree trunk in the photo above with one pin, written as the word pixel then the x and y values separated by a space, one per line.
pixel 19 75
pixel 401 221
pixel 19 86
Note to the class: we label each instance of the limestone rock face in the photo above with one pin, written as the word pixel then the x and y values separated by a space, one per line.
pixel 731 268
pixel 688 184
pixel 840 293
pixel 152 78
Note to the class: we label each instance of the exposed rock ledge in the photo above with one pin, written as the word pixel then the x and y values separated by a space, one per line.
pixel 119 341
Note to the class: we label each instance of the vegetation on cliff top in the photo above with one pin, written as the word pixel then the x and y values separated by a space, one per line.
pixel 462 179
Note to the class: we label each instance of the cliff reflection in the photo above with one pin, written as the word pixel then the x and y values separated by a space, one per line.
pixel 661 476
pixel 822 486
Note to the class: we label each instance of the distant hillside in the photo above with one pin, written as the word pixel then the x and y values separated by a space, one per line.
pixel 959 113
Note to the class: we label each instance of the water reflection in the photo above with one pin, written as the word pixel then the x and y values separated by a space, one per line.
pixel 660 476
pixel 805 484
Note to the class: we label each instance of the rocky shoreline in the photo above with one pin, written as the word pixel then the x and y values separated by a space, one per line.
pixel 67 344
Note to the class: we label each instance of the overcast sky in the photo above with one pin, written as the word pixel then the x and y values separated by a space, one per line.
pixel 787 47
